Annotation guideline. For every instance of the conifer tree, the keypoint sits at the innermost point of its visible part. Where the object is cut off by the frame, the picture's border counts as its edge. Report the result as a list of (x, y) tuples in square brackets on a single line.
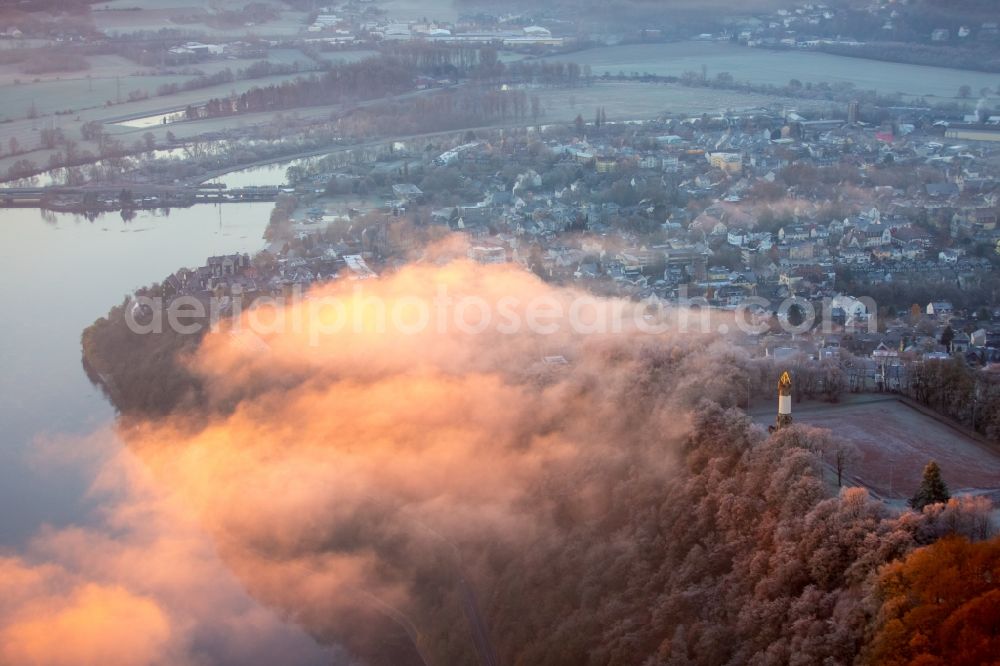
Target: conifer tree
[(947, 336), (932, 488)]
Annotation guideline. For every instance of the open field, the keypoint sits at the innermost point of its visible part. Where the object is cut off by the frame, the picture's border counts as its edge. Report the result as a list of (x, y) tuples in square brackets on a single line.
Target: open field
[(415, 10), (101, 66), (639, 101), (136, 76), (346, 56), (274, 56), (75, 94), (78, 94), (763, 66), (125, 16), (896, 441), (84, 95), (95, 86)]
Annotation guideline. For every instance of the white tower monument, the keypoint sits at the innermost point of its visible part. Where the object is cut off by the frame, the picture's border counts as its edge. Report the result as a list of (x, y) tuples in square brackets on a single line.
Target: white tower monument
[(784, 401)]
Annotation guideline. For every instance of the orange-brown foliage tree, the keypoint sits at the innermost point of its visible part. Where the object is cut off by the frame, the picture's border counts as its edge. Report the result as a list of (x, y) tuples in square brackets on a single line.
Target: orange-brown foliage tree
[(940, 605)]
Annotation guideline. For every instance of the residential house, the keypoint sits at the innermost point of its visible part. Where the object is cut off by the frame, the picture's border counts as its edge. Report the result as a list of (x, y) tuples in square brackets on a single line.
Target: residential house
[(939, 309)]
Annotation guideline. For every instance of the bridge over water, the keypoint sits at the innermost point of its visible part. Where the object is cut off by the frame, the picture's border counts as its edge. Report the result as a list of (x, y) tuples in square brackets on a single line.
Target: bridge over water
[(133, 197)]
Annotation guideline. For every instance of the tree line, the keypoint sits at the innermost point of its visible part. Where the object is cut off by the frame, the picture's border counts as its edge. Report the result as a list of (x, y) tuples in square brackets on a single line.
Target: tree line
[(368, 79), (956, 390)]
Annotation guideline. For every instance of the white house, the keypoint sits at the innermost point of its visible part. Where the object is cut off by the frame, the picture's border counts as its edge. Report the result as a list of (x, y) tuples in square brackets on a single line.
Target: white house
[(939, 309), (949, 256), (852, 307)]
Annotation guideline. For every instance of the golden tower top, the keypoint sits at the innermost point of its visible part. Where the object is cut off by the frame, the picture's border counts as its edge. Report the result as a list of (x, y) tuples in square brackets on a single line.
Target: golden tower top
[(785, 384)]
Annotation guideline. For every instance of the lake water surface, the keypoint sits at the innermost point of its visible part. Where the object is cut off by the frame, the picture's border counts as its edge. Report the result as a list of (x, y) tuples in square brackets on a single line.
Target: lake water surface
[(763, 66), (61, 272)]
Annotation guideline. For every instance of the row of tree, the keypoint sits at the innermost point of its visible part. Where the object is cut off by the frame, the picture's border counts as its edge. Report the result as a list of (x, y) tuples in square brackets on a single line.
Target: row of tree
[(962, 393), (364, 80)]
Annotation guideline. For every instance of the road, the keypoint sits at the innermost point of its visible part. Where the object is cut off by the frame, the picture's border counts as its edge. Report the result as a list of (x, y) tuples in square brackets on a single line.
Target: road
[(480, 637)]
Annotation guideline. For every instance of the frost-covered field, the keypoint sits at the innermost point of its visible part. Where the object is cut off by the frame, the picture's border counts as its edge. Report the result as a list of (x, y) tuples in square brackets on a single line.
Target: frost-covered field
[(896, 441), (415, 10), (126, 16), (638, 101), (80, 93)]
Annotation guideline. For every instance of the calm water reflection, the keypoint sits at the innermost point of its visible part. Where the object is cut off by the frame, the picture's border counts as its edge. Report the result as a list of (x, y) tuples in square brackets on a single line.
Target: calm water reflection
[(59, 274)]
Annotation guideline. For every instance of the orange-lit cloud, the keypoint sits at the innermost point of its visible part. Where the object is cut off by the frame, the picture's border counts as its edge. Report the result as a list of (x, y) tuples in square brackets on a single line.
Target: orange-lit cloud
[(349, 480), (140, 584), (92, 625)]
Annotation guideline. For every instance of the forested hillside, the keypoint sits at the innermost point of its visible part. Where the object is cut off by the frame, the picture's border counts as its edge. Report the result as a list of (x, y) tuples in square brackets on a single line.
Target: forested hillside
[(617, 510), (743, 558)]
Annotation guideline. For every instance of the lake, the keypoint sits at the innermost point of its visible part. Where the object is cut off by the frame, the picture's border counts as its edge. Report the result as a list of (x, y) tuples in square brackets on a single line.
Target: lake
[(763, 66), (61, 273)]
